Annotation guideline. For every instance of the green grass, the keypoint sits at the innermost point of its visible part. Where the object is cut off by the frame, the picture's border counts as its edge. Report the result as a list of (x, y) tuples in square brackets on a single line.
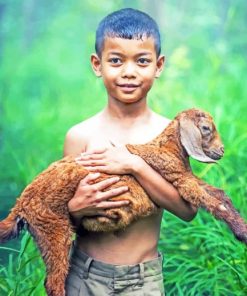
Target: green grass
[(24, 273), (49, 86)]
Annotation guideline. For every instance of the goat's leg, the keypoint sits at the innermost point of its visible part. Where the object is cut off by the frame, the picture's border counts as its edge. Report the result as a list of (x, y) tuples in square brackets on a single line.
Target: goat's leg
[(216, 203), (213, 191), (193, 189), (226, 211), (54, 241)]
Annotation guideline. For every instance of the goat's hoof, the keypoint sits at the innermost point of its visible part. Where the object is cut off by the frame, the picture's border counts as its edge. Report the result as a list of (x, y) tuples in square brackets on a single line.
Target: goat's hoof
[(242, 237)]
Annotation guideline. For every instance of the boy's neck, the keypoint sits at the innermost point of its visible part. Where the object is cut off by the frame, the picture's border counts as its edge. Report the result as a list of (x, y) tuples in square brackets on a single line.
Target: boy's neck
[(130, 112)]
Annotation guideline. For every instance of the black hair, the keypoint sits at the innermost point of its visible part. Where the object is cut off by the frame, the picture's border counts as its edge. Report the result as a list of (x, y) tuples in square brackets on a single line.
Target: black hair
[(127, 23)]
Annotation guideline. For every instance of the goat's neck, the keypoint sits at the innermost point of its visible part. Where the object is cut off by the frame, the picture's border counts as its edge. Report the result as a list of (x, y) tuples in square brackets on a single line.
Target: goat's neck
[(155, 151)]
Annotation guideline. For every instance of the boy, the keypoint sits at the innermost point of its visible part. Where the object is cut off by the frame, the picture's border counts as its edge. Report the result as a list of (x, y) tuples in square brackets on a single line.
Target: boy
[(127, 262)]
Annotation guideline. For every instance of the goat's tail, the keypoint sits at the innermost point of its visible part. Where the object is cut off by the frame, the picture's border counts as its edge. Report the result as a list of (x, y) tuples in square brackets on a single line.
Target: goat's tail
[(10, 227)]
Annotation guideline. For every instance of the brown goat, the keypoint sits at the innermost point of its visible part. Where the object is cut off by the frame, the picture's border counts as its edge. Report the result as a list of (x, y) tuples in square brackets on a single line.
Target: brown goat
[(43, 204)]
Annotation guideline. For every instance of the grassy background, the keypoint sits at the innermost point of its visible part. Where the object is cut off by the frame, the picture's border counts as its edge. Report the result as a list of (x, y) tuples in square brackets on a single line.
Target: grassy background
[(46, 86)]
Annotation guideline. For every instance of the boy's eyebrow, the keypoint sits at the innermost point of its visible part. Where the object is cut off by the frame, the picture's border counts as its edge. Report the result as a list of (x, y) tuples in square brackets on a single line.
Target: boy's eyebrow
[(137, 55), (144, 53), (115, 53)]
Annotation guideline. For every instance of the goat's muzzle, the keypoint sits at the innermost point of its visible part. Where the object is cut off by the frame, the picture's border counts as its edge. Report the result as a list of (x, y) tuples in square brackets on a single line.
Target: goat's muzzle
[(215, 153)]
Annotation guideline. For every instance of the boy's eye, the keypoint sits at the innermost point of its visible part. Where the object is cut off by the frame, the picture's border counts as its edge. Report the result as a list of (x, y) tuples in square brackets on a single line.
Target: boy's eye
[(115, 61), (143, 61)]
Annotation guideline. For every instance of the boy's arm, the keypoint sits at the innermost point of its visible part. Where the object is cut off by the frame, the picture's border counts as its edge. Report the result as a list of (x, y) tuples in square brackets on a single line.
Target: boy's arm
[(162, 192), (119, 160)]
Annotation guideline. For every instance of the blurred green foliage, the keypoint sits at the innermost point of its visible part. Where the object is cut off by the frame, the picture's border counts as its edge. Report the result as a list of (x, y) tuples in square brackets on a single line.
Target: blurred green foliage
[(46, 86)]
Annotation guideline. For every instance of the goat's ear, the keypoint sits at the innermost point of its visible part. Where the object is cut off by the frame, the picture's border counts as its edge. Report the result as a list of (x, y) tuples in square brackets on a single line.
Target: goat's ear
[(191, 140)]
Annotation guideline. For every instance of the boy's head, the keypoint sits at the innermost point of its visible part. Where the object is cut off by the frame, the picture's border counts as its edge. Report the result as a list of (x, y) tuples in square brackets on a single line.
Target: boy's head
[(127, 23)]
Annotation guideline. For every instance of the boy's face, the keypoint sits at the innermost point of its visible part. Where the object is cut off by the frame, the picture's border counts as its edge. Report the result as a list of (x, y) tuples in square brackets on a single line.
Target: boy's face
[(128, 68)]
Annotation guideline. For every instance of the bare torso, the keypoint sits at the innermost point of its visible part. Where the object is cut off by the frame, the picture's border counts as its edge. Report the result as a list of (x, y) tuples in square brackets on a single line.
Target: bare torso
[(138, 242)]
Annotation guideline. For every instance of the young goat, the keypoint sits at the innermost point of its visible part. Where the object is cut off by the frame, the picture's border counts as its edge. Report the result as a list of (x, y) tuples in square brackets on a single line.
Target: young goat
[(43, 204)]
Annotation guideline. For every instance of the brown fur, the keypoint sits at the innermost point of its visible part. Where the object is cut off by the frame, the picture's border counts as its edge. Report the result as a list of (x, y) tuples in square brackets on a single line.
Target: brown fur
[(43, 204)]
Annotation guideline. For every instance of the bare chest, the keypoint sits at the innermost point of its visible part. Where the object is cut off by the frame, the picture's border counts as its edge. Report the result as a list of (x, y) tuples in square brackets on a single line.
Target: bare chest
[(105, 138)]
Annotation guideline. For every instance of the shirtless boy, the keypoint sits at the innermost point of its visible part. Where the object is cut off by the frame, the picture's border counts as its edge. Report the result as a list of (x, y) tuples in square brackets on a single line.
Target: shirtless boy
[(125, 263)]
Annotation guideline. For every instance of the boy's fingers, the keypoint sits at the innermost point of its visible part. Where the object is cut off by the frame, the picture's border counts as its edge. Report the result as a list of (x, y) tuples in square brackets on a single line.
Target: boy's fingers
[(95, 156), (90, 177), (83, 157), (113, 204), (95, 151), (106, 183), (91, 162), (102, 169), (113, 192)]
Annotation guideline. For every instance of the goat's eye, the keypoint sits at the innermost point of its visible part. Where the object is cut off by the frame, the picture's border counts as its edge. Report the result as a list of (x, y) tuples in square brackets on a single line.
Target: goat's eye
[(205, 128)]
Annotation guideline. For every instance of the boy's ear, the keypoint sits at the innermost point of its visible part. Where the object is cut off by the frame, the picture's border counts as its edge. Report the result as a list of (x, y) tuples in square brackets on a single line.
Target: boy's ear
[(96, 64), (159, 65)]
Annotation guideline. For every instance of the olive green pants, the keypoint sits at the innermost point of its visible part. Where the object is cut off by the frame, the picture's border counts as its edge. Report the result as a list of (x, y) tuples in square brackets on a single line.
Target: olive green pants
[(89, 277)]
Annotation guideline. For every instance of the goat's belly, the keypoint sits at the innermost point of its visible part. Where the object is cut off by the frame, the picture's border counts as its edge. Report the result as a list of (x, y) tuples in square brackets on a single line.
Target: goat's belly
[(119, 218)]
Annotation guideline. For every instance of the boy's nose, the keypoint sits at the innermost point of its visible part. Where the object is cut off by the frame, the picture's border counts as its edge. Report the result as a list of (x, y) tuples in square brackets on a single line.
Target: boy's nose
[(129, 70)]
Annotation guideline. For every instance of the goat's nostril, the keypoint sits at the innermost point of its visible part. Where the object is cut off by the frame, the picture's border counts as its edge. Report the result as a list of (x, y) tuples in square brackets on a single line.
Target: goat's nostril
[(222, 149)]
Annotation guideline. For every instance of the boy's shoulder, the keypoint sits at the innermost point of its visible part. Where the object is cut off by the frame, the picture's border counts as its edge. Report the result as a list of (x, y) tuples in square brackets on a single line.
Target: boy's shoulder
[(77, 136), (84, 127)]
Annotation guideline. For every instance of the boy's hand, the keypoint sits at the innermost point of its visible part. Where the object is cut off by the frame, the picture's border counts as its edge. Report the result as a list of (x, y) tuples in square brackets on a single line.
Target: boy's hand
[(115, 160), (90, 199)]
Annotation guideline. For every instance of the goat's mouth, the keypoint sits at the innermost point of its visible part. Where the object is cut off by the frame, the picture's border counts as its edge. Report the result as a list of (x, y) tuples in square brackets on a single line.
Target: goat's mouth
[(213, 154)]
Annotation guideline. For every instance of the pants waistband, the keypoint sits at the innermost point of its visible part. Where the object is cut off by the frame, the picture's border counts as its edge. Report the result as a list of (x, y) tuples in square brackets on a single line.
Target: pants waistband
[(88, 264)]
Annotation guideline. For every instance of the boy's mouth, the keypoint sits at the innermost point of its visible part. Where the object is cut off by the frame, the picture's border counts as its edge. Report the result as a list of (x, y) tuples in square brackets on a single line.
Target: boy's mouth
[(128, 87)]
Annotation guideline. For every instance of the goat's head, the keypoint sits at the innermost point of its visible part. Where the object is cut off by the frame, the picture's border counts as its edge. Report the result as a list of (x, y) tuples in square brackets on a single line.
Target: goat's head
[(199, 136)]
